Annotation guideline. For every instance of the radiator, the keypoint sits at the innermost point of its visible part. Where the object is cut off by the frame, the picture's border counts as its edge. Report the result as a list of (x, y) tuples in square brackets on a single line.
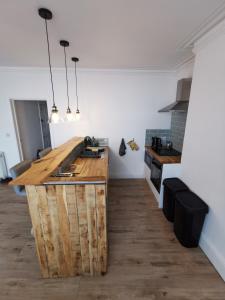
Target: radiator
[(3, 168)]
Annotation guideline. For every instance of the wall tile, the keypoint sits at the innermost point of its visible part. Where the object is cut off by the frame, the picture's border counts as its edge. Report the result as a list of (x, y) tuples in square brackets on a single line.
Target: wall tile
[(175, 134)]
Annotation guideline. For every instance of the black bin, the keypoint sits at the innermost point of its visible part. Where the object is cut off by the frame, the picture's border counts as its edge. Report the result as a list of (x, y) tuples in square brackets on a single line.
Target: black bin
[(171, 187), (189, 218)]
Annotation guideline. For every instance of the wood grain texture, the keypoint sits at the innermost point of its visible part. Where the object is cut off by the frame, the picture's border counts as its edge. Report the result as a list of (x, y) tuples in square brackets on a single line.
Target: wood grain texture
[(45, 166), (37, 227), (145, 261), (92, 228), (101, 227), (90, 170), (70, 241), (83, 228), (163, 159)]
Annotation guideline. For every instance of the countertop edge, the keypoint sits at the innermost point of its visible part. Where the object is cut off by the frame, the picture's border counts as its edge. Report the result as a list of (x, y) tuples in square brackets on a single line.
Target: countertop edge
[(163, 159)]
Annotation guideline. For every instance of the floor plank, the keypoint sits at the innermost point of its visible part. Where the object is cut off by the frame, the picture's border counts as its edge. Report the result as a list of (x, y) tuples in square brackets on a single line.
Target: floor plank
[(145, 259)]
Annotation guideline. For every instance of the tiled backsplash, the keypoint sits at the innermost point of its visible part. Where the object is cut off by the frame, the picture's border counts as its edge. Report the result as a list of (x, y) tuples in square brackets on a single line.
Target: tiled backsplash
[(163, 133), (175, 134), (178, 123)]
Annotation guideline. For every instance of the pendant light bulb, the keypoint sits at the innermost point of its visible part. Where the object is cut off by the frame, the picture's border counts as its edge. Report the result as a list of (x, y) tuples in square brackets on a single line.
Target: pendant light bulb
[(46, 14), (54, 118), (77, 116), (69, 115), (75, 60)]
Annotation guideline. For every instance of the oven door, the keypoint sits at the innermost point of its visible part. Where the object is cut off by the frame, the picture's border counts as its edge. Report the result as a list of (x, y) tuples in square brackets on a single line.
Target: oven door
[(156, 174), (148, 160)]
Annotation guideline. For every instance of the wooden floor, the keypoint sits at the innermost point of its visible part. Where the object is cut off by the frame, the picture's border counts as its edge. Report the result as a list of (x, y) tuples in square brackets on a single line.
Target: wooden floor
[(145, 260)]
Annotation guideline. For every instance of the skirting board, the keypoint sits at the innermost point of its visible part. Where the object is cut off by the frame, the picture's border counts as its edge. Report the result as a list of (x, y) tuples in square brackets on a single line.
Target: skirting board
[(213, 255)]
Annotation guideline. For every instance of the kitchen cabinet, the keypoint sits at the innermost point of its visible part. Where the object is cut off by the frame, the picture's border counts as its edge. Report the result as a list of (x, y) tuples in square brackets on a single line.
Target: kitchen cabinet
[(169, 167)]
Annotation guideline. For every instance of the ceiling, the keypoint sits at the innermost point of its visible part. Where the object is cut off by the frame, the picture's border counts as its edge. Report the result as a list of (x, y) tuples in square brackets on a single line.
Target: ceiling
[(118, 34)]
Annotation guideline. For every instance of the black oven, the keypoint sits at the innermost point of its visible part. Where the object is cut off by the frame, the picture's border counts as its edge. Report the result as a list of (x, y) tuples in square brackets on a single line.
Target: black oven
[(148, 159), (156, 174)]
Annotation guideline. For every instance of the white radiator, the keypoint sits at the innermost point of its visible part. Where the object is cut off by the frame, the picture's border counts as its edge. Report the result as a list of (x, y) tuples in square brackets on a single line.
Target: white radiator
[(3, 167)]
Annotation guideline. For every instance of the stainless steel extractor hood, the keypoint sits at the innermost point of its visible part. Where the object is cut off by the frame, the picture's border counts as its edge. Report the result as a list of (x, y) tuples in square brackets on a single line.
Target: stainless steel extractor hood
[(182, 98)]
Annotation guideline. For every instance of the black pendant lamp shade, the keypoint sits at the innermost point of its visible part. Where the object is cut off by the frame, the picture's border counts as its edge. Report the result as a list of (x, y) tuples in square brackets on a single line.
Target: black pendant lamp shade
[(75, 60), (47, 15), (69, 115)]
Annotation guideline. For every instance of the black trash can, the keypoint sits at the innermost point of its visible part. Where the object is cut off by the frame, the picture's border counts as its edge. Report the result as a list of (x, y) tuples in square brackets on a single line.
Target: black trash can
[(171, 187), (189, 218)]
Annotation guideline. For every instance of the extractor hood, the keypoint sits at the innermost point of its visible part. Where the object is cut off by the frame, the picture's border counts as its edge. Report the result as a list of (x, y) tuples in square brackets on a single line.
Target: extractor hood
[(182, 98)]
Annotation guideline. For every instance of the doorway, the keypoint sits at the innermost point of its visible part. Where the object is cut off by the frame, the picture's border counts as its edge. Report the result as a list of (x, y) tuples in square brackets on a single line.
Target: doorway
[(31, 126)]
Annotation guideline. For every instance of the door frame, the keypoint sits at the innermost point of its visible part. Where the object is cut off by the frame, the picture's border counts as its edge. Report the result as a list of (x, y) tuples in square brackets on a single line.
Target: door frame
[(16, 126)]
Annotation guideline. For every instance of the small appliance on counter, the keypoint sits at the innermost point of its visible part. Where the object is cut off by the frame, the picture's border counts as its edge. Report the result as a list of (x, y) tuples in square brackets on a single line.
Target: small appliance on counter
[(156, 142), (161, 150), (90, 152), (91, 148), (92, 142)]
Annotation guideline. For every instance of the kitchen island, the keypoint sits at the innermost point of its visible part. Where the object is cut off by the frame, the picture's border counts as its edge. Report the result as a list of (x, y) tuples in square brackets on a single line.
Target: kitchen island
[(68, 214)]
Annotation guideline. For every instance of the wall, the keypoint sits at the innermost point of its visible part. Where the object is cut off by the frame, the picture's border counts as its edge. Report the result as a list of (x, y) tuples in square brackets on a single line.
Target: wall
[(113, 104), (178, 120), (203, 160), (185, 70), (164, 134)]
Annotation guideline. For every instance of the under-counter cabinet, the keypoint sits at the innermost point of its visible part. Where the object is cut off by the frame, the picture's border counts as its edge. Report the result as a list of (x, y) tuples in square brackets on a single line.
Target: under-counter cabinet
[(159, 168)]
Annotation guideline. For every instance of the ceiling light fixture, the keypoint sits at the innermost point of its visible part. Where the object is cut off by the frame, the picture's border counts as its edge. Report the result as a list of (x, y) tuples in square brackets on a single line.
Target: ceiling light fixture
[(69, 115), (47, 15), (75, 60)]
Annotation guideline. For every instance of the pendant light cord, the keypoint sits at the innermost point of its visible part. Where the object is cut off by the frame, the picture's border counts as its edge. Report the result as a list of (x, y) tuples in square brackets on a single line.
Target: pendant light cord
[(76, 83), (49, 62), (67, 85)]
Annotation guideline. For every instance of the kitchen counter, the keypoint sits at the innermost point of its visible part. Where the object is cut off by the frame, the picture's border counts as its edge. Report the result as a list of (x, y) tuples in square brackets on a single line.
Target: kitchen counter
[(88, 170), (68, 214), (163, 159)]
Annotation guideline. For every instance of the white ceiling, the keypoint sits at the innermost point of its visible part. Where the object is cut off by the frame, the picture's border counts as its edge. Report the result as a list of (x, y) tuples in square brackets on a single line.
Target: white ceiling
[(120, 34)]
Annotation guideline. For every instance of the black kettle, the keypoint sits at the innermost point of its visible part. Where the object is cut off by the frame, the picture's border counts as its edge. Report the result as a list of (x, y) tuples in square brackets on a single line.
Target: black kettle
[(87, 141), (90, 142)]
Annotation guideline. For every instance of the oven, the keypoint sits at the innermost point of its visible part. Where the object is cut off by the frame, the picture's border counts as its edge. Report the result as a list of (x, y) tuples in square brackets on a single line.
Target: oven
[(156, 174), (148, 160)]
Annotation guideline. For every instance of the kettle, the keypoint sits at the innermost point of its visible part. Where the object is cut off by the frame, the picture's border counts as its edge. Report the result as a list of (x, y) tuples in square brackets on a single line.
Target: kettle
[(90, 142)]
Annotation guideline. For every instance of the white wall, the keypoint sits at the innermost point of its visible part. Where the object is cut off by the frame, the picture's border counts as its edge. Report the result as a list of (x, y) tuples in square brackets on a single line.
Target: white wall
[(185, 70), (113, 104), (203, 160)]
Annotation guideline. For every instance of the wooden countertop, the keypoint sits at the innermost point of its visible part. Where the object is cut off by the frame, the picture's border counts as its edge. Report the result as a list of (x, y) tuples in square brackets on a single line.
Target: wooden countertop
[(42, 168), (94, 170), (163, 159)]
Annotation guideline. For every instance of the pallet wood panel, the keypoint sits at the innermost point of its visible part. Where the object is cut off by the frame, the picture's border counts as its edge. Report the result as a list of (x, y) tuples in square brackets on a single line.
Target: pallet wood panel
[(92, 229), (35, 218), (70, 228), (101, 227)]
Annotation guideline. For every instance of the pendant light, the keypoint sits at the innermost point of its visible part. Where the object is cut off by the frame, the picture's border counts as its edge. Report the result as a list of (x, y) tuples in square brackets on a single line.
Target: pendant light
[(69, 115), (75, 60), (47, 15)]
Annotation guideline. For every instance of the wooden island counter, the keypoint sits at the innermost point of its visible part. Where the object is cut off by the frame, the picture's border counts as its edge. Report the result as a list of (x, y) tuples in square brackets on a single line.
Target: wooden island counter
[(68, 213)]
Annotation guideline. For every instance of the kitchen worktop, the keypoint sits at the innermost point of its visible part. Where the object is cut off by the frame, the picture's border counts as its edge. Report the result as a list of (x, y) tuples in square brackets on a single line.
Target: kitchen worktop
[(86, 169), (163, 159), (94, 170)]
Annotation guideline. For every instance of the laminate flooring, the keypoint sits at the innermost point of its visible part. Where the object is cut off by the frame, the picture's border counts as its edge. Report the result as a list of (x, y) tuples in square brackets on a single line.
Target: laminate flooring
[(146, 262)]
